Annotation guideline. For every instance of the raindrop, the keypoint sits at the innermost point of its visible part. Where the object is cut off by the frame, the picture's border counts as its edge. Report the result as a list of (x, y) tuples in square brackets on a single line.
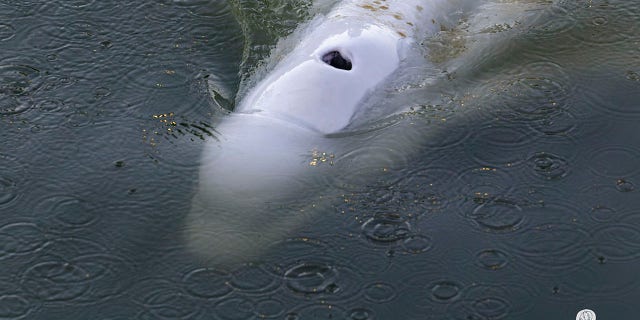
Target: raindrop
[(386, 229), (311, 278), (549, 166), (19, 79)]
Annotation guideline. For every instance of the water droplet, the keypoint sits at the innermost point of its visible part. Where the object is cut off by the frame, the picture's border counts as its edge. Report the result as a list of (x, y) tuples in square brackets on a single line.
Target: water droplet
[(549, 166), (310, 277), (386, 229)]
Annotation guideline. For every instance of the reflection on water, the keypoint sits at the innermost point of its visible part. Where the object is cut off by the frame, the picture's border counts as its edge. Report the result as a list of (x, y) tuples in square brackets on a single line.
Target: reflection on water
[(518, 201)]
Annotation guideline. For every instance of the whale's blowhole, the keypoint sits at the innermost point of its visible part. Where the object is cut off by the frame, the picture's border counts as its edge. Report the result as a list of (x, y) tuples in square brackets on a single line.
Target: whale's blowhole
[(337, 60)]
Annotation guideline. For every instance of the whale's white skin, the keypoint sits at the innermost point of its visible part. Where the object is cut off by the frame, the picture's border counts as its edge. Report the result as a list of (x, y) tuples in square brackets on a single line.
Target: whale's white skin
[(263, 155)]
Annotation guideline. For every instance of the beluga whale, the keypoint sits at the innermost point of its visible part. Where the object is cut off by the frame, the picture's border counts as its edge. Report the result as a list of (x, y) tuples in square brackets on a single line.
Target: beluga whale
[(274, 158)]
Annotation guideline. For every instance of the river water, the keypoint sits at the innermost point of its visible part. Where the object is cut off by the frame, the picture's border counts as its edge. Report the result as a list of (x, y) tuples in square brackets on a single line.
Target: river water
[(521, 203)]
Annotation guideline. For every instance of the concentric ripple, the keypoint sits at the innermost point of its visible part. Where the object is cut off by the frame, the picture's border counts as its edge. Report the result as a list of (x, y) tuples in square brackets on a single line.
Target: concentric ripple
[(549, 166), (20, 238), (485, 301), (386, 229), (498, 216), (492, 259), (311, 278), (66, 212), (606, 23), (19, 79), (380, 292), (614, 161), (77, 270), (14, 306), (207, 283), (254, 279), (552, 247)]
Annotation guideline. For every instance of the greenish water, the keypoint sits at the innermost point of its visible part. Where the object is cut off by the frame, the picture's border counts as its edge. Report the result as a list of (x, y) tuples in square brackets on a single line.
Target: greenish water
[(522, 205)]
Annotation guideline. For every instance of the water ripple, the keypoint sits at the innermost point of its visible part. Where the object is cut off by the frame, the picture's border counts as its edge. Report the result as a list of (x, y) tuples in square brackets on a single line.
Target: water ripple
[(11, 179), (492, 259), (485, 301), (498, 145), (618, 241), (605, 24), (162, 299), (498, 215), (20, 238), (380, 292), (235, 308), (552, 248), (207, 283), (549, 166), (18, 79), (270, 308), (66, 212), (386, 229), (55, 281), (311, 278), (317, 311), (14, 306), (445, 291), (7, 31), (72, 269), (254, 279), (614, 160)]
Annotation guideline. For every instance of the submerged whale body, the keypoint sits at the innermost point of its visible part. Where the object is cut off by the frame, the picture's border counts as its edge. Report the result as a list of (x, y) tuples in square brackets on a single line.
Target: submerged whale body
[(253, 177)]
